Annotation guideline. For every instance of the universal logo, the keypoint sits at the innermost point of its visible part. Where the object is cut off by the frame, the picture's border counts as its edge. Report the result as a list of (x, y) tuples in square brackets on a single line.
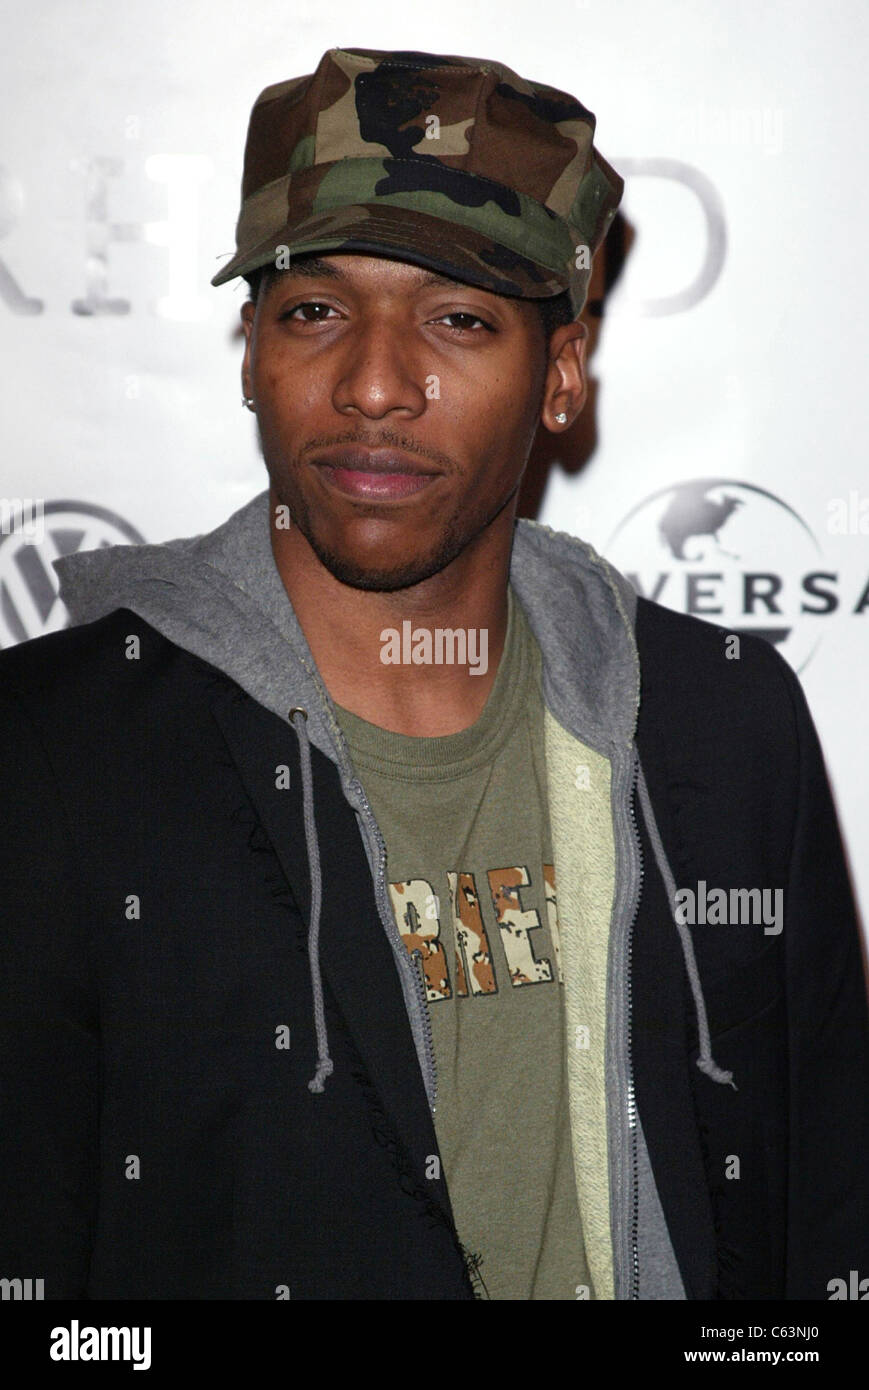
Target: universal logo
[(736, 555)]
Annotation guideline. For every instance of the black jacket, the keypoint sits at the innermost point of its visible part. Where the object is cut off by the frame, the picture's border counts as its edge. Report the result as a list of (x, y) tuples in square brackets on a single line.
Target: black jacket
[(156, 892)]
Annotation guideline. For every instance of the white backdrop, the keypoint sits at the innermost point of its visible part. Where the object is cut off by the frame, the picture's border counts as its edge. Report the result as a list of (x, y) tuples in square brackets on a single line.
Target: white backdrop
[(731, 358)]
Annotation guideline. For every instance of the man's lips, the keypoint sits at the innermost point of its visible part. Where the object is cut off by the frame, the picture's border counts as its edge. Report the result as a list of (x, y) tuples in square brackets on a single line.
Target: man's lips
[(374, 474), (359, 459)]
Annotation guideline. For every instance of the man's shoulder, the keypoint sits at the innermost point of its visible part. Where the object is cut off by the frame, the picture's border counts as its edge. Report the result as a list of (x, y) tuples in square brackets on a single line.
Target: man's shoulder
[(687, 650), (91, 661), (698, 675)]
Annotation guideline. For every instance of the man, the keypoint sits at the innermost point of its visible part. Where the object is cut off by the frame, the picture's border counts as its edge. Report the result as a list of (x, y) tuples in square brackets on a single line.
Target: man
[(352, 852)]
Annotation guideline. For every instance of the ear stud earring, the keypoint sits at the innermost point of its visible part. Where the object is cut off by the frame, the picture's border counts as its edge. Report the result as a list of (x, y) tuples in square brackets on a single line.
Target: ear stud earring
[(561, 417)]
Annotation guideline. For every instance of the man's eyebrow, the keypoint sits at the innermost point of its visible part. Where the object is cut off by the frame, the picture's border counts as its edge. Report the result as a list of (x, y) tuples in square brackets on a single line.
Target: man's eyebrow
[(313, 266), (309, 265)]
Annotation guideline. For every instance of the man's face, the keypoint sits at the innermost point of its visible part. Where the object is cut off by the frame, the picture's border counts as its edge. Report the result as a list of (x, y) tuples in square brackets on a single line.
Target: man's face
[(348, 354)]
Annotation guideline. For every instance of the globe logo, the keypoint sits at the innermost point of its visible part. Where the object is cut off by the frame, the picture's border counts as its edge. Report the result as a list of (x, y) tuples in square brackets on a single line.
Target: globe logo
[(733, 554)]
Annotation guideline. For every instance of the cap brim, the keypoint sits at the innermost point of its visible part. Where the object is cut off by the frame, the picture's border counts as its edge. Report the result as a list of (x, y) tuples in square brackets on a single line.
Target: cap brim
[(451, 249)]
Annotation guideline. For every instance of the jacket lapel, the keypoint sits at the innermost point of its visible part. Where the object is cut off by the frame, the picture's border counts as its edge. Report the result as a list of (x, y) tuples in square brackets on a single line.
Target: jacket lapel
[(355, 955)]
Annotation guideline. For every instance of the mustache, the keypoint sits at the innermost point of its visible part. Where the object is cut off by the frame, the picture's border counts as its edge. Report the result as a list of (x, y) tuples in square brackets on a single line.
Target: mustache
[(383, 439)]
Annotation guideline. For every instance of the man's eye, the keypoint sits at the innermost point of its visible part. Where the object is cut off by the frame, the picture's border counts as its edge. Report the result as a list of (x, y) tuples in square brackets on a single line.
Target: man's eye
[(315, 311), (468, 316), (307, 304)]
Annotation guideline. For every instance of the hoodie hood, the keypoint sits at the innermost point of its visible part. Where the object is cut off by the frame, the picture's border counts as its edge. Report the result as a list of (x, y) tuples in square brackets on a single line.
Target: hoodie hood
[(220, 596)]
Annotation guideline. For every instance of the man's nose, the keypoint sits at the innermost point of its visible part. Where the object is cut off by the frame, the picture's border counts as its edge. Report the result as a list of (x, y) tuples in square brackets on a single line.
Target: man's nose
[(379, 372)]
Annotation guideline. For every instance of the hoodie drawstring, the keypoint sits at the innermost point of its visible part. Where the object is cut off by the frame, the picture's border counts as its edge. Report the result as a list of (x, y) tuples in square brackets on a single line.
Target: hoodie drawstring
[(325, 1066), (705, 1061)]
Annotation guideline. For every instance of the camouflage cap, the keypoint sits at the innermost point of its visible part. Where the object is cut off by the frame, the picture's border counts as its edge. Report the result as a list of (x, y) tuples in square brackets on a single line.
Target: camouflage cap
[(455, 164)]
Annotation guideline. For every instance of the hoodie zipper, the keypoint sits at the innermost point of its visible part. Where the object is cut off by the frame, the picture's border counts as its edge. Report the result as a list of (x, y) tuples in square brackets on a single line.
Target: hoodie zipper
[(401, 953), (631, 1096), (429, 1036), (384, 906)]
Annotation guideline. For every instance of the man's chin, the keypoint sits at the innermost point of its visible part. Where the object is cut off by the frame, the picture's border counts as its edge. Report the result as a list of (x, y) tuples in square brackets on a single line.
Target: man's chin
[(377, 578), (370, 566)]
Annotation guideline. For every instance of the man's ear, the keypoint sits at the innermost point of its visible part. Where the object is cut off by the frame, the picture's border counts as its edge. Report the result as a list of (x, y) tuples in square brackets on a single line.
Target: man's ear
[(248, 314), (566, 386)]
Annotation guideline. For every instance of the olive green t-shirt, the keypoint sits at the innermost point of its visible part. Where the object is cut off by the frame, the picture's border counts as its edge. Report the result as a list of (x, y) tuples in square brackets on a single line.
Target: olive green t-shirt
[(469, 867)]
